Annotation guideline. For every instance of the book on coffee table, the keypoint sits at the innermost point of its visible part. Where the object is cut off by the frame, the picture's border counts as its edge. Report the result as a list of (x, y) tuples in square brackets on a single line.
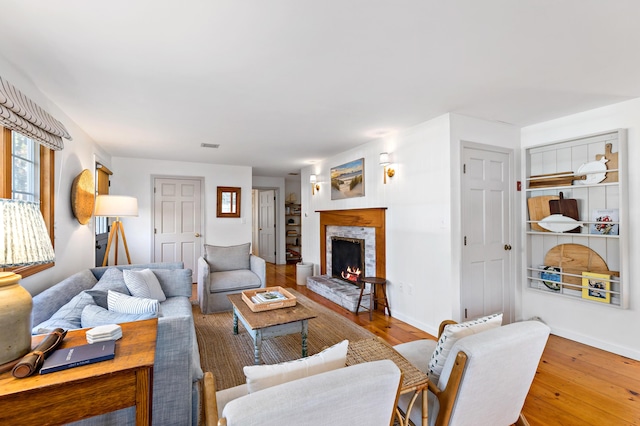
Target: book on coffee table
[(65, 358)]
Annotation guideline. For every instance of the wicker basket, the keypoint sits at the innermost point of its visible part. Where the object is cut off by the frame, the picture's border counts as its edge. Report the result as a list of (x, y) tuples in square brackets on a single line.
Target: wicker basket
[(267, 306)]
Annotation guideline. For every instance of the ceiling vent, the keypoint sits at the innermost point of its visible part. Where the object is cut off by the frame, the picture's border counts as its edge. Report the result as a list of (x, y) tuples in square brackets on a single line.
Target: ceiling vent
[(210, 145)]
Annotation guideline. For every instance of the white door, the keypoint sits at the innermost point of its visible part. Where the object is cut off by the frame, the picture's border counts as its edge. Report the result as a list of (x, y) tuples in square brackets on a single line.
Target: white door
[(486, 228), (267, 229), (177, 221)]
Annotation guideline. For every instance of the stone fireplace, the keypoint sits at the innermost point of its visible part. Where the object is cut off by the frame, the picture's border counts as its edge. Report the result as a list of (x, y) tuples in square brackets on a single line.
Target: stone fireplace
[(360, 230)]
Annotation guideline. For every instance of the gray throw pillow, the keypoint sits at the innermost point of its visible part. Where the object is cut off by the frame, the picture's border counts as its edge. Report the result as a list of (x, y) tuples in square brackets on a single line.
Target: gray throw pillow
[(99, 297), (229, 258), (112, 279)]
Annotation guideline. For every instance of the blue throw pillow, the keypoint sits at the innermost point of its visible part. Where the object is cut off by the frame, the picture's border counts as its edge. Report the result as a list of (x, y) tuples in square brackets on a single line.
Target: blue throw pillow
[(93, 316), (67, 317)]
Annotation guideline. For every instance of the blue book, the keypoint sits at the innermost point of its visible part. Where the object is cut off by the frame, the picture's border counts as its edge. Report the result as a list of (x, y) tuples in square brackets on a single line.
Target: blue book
[(63, 359)]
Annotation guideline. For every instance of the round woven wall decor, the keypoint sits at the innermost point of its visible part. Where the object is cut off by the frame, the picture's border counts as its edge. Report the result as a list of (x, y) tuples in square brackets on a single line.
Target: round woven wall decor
[(83, 196)]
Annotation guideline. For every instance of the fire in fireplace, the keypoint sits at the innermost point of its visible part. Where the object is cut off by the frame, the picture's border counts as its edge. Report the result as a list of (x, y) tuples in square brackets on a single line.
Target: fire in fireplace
[(347, 258)]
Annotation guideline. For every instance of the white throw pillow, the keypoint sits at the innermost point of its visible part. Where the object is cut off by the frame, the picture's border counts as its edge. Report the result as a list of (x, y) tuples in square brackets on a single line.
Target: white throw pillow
[(451, 334), (144, 284), (263, 376), (125, 304)]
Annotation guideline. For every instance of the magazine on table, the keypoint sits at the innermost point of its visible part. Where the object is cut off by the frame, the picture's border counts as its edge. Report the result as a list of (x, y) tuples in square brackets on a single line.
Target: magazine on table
[(268, 296)]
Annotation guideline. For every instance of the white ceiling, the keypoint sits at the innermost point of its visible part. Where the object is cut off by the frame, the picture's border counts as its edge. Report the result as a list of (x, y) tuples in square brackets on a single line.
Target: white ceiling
[(281, 83)]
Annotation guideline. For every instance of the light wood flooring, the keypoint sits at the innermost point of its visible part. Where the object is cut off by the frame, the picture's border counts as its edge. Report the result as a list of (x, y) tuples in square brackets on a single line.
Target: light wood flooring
[(575, 384)]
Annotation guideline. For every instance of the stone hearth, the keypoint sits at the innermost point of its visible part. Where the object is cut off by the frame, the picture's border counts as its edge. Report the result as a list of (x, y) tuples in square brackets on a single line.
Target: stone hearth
[(339, 292)]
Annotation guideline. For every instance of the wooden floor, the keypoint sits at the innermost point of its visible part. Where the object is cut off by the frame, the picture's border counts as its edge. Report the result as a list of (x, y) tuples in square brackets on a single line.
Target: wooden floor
[(575, 384)]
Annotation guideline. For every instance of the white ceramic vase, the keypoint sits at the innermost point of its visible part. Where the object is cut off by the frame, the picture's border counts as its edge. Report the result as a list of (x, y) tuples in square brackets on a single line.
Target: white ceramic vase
[(15, 318)]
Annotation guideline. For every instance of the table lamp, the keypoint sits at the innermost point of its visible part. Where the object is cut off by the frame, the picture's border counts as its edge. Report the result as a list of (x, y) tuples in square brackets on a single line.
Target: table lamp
[(116, 206), (24, 241)]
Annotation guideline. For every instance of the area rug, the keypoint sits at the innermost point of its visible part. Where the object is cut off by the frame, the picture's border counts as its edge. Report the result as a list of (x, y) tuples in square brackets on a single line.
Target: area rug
[(224, 354)]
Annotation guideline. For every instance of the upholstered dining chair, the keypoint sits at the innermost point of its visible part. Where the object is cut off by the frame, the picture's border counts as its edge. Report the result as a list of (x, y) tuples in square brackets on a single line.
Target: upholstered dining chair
[(485, 377), (360, 395)]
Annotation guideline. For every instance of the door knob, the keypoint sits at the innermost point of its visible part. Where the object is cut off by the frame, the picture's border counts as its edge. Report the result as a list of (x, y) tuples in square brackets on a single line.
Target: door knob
[(197, 235), (507, 247)]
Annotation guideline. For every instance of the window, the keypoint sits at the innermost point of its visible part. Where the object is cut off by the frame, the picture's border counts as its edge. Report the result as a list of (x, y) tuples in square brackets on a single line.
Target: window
[(27, 174), (25, 168)]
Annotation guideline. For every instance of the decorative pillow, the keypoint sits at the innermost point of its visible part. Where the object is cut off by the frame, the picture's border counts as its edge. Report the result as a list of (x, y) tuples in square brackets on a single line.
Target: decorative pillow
[(143, 284), (112, 279), (93, 316), (67, 317), (99, 297), (227, 258), (125, 304), (451, 334), (263, 376), (175, 282)]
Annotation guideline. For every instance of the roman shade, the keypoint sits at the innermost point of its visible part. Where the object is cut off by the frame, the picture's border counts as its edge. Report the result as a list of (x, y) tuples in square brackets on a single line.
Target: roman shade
[(21, 114)]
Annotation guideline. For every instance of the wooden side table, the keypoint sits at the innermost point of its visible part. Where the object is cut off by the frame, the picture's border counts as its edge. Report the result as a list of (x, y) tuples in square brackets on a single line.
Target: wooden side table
[(377, 294), (86, 391)]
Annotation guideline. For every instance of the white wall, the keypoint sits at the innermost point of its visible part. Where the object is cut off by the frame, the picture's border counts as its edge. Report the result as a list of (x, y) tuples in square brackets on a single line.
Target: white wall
[(133, 176), (604, 327), (74, 243), (422, 202)]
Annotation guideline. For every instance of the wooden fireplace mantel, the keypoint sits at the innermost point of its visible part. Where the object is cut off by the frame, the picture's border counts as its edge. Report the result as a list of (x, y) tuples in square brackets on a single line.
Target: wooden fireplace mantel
[(368, 217)]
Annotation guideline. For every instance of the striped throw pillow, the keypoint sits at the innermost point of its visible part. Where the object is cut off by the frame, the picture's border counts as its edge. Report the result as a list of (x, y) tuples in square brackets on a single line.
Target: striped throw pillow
[(144, 284), (126, 304)]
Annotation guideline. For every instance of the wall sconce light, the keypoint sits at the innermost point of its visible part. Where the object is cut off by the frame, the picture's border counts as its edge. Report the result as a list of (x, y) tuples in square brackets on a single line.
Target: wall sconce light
[(314, 186), (384, 162)]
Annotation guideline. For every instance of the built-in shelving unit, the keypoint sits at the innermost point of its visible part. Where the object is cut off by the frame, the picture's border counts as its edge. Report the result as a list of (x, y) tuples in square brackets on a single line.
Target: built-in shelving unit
[(587, 259), (293, 232)]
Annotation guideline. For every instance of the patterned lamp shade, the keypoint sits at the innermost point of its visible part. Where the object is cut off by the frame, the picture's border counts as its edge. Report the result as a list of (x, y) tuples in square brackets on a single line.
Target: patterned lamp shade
[(24, 239)]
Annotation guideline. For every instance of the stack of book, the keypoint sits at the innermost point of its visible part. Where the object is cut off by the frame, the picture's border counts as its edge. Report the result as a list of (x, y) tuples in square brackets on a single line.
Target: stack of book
[(268, 296)]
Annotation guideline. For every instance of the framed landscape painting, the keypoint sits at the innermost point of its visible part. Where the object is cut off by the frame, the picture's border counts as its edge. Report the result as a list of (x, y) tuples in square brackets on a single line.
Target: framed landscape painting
[(347, 180)]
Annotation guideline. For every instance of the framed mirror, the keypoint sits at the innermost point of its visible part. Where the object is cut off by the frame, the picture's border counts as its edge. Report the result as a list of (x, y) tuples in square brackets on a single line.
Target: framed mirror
[(228, 201)]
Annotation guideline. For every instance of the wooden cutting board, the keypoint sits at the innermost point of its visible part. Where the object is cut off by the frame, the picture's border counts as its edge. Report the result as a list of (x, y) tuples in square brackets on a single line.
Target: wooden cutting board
[(539, 209), (611, 164), (566, 207), (576, 259)]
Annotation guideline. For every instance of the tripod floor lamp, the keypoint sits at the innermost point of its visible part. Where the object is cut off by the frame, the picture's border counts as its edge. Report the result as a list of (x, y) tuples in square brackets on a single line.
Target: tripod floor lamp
[(116, 206)]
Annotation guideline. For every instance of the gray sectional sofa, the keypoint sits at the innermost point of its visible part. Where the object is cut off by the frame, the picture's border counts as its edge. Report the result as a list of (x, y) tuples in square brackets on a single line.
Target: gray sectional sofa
[(177, 370)]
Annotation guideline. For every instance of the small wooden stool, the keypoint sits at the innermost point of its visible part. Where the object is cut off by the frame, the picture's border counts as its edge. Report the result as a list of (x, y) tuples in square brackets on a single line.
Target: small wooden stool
[(374, 297)]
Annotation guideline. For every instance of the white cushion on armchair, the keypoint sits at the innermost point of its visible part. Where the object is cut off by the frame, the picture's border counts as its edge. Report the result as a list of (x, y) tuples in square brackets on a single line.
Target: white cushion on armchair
[(360, 395)]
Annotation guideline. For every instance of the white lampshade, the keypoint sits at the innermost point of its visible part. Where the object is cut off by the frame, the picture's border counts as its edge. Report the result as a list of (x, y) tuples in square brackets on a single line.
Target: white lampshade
[(116, 206), (384, 158), (24, 239), (313, 179)]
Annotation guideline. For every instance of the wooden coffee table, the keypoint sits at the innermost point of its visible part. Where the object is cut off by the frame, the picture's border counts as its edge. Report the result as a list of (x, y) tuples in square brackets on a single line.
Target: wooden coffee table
[(272, 323), (89, 390)]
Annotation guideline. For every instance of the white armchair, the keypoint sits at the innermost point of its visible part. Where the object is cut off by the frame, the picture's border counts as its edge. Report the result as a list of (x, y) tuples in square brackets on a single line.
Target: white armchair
[(227, 270), (485, 378), (360, 395)]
